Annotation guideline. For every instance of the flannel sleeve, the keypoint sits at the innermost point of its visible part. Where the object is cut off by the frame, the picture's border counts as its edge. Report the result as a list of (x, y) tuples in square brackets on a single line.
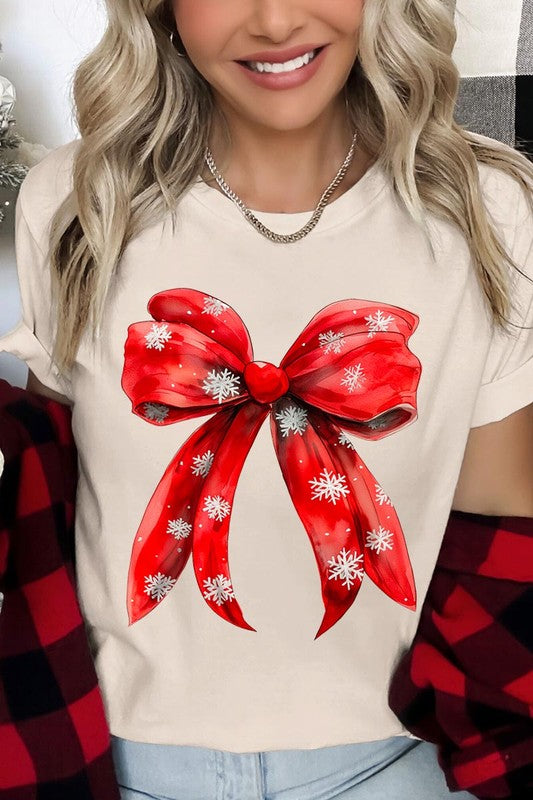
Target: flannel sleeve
[(466, 681)]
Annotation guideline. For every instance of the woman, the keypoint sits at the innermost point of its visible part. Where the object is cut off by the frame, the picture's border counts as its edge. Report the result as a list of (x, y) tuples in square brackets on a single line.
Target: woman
[(343, 259)]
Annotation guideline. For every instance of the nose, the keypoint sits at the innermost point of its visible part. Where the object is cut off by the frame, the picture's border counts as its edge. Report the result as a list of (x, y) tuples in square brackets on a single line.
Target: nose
[(275, 20)]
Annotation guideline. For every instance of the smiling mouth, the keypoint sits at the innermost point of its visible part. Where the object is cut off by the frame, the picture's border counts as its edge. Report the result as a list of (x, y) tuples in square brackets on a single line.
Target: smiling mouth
[(247, 64)]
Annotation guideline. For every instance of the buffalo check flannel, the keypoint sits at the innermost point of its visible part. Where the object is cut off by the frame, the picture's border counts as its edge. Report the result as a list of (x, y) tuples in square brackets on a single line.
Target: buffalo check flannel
[(494, 54), (54, 737), (466, 682)]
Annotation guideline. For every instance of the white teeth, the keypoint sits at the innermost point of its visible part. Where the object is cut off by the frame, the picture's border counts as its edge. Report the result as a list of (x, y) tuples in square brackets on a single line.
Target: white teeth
[(287, 66)]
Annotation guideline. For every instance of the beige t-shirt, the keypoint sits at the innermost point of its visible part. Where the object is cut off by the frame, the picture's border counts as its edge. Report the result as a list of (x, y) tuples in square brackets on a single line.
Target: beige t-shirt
[(186, 672)]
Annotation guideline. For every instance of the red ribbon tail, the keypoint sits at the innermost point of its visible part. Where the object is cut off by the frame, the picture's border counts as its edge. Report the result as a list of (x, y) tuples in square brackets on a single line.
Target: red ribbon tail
[(320, 490), (164, 539), (387, 561), (213, 513)]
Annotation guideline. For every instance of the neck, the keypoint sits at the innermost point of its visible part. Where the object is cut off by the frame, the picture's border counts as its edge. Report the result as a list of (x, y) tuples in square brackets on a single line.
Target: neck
[(285, 171)]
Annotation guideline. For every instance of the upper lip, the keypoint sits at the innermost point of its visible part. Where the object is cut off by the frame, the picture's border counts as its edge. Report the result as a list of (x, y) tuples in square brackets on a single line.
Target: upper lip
[(280, 56)]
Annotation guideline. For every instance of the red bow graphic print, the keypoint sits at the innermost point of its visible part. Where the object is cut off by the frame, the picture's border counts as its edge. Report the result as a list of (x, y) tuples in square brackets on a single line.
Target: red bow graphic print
[(349, 370)]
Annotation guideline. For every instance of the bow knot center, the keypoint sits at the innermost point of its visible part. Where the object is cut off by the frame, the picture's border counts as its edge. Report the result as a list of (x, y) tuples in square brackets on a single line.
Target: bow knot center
[(265, 382)]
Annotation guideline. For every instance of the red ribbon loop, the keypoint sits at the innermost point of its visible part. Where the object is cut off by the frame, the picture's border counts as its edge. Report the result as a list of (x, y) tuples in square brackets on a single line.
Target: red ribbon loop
[(349, 370)]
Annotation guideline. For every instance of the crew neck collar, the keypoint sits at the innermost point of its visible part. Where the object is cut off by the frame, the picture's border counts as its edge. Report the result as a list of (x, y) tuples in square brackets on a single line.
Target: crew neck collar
[(348, 205)]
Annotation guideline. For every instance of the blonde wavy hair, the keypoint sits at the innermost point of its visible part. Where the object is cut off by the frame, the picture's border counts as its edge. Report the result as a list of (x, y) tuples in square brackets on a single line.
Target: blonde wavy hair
[(145, 116)]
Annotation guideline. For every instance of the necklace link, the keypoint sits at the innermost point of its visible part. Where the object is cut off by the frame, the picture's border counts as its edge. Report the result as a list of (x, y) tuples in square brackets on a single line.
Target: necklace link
[(250, 216)]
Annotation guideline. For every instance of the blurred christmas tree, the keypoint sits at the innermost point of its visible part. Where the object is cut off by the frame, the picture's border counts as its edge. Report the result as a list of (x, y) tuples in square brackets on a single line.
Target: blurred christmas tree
[(17, 155), (12, 173)]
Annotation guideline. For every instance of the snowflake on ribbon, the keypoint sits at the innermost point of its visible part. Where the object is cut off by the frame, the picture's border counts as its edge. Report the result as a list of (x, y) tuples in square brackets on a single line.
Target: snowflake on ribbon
[(203, 463), (157, 586), (157, 336), (216, 507), (354, 377), (292, 418), (221, 384), (329, 486), (331, 341), (179, 528), (379, 540), (214, 306), (379, 422), (343, 439), (219, 589), (348, 566), (378, 322), (157, 412), (381, 496)]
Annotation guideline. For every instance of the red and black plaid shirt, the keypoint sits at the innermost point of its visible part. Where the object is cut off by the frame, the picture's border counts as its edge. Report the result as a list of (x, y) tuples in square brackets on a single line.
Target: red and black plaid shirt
[(466, 682), (54, 737)]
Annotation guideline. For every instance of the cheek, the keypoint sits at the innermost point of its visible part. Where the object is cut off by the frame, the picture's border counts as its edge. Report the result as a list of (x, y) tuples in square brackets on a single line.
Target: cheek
[(344, 15), (202, 25)]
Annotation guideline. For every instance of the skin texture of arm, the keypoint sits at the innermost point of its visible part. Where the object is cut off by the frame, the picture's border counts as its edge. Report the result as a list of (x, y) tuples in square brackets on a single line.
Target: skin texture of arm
[(34, 385), (496, 476)]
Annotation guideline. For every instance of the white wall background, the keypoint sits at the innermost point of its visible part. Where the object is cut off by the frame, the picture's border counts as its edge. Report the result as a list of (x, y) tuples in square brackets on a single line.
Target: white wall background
[(43, 41)]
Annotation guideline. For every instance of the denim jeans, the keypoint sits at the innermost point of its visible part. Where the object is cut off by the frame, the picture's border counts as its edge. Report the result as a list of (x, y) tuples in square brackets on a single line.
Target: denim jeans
[(398, 768)]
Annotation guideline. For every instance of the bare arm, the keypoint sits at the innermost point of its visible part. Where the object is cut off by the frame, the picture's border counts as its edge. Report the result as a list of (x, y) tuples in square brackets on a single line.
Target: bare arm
[(496, 476)]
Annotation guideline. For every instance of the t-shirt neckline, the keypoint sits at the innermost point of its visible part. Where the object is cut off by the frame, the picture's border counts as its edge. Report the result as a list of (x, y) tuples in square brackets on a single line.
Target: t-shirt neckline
[(349, 204)]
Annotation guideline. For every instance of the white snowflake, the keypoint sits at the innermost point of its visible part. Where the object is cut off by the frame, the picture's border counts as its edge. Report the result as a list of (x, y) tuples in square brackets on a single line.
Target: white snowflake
[(157, 586), (379, 540), (331, 341), (203, 463), (379, 422), (216, 507), (214, 306), (221, 384), (347, 566), (381, 496), (354, 377), (179, 528), (219, 589), (292, 418), (156, 411), (329, 486), (378, 322), (343, 439), (157, 336)]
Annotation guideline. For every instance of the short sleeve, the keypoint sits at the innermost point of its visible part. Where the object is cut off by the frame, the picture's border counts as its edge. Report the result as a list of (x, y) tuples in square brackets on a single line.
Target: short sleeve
[(507, 382), (31, 339)]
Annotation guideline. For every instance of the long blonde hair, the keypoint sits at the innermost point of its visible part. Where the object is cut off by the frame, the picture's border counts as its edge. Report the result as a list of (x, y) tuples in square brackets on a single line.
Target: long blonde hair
[(145, 115)]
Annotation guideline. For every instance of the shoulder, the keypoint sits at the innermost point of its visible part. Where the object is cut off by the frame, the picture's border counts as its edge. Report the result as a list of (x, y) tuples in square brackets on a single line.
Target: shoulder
[(510, 206), (504, 196), (46, 185)]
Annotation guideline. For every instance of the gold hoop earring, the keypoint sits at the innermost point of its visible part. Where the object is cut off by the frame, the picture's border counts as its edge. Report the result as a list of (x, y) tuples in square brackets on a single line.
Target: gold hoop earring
[(182, 55)]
